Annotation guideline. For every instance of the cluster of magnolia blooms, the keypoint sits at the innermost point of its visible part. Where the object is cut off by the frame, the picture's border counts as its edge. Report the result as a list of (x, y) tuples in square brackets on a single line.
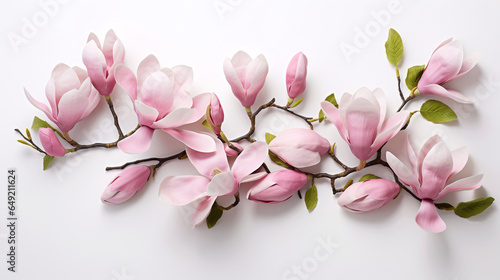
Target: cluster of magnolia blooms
[(162, 102)]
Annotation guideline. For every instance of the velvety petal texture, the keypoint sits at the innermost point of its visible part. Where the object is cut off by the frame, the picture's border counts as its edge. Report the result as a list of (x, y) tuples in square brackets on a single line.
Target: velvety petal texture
[(296, 75), (71, 97), (126, 184), (299, 147), (429, 176), (51, 143), (277, 186), (162, 101), (368, 195), (246, 76), (360, 120), (446, 64)]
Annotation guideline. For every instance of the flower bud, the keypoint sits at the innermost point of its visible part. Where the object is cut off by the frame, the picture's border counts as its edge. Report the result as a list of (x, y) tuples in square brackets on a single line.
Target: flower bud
[(126, 184), (51, 143), (277, 186), (368, 195), (215, 114), (296, 75), (230, 152)]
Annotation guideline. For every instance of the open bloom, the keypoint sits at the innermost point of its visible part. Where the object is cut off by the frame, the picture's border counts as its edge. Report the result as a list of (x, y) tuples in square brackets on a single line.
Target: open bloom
[(429, 177), (277, 186), (368, 195), (102, 61), (296, 75), (198, 193), (360, 120), (299, 147), (246, 76), (126, 184), (161, 101), (215, 114), (70, 94), (446, 64), (51, 143)]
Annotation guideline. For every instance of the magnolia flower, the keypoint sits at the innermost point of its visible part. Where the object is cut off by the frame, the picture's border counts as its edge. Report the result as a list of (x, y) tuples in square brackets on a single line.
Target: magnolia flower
[(296, 75), (102, 61), (126, 184), (50, 143), (368, 195), (299, 147), (246, 76), (198, 193), (70, 94), (360, 120), (446, 64), (277, 186), (215, 114), (161, 101), (429, 177)]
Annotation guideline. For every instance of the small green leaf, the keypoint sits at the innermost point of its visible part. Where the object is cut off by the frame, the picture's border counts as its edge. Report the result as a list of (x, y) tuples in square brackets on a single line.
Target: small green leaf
[(437, 112), (46, 161), (296, 103), (311, 198), (321, 116), (444, 206), (474, 207), (214, 216), (330, 98), (28, 134), (277, 160), (413, 76), (269, 138), (207, 125), (39, 123), (394, 47), (25, 143), (368, 177)]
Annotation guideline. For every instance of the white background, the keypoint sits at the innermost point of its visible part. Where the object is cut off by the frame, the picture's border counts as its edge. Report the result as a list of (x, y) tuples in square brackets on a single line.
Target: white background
[(65, 232)]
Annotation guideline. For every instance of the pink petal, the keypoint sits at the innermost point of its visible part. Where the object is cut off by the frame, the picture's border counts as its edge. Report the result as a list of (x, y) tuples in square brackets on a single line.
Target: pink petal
[(428, 145), (146, 115), (118, 53), (202, 209), (108, 46), (362, 121), (51, 143), (82, 74), (126, 79), (249, 160), (183, 78), (412, 156), (299, 158), (253, 177), (436, 169), (194, 140), (138, 142), (382, 103), (469, 183), (176, 118), (93, 37), (69, 80), (379, 189), (147, 66), (71, 108), (402, 171), (447, 93), (390, 128), (50, 93), (460, 158), (428, 218), (222, 184), (39, 105), (200, 103), (59, 70), (467, 65), (92, 95), (181, 190), (234, 81), (95, 62), (258, 74), (333, 115), (206, 162), (157, 92), (444, 64)]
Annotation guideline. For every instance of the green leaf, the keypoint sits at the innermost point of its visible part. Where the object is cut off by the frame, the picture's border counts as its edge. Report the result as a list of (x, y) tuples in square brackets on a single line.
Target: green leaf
[(207, 125), (269, 138), (330, 98), (444, 206), (413, 76), (46, 161), (214, 216), (437, 112), (368, 177), (28, 134), (474, 207), (277, 160), (296, 103), (311, 198), (394, 47), (39, 123)]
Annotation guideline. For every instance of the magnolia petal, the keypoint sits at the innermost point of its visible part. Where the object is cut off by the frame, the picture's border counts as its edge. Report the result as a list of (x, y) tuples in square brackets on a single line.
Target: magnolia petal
[(80, 73), (94, 60), (428, 217), (200, 104), (444, 64), (249, 160), (206, 162), (334, 115), (118, 53), (181, 190), (146, 115), (362, 121), (194, 140), (443, 92), (390, 128), (222, 184), (176, 118), (460, 158), (147, 66), (436, 169), (402, 171), (69, 80), (412, 156), (253, 177), (296, 157), (183, 78), (39, 105), (71, 108), (59, 70), (138, 142), (108, 47), (469, 183), (92, 95), (157, 92), (126, 79), (234, 81), (203, 208), (467, 65), (428, 145), (93, 37), (258, 77)]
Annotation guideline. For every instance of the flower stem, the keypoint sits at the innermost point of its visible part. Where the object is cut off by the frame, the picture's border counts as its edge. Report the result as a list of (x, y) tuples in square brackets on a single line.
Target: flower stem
[(115, 117)]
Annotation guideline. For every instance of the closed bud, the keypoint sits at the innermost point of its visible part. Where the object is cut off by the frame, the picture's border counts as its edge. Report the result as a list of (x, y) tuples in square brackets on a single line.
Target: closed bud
[(277, 186), (215, 114), (126, 184), (368, 195), (296, 75), (51, 143)]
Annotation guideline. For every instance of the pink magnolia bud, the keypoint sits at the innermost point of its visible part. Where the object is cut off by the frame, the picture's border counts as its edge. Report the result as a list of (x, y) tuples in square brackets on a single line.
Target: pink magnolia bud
[(230, 151), (126, 184), (51, 143), (277, 186), (215, 114), (299, 147), (368, 195), (296, 75)]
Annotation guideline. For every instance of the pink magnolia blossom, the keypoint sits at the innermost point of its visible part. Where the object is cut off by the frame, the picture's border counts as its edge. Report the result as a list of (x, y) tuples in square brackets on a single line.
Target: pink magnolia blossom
[(102, 61), (246, 76), (296, 75), (429, 176), (70, 94), (51, 143), (126, 184), (198, 193), (360, 120), (446, 64), (368, 195), (230, 152), (277, 186), (299, 147), (215, 114), (162, 101)]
